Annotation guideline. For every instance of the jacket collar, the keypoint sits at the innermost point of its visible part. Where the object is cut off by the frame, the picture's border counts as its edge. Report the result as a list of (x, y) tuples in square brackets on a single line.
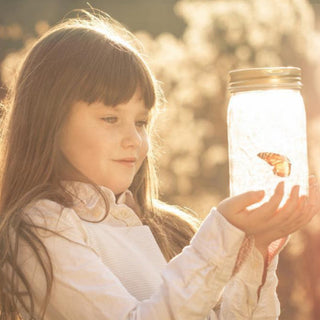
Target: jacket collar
[(89, 204)]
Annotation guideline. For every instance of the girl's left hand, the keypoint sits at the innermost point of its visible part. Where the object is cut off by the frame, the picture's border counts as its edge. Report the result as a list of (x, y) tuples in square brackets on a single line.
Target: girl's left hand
[(298, 216)]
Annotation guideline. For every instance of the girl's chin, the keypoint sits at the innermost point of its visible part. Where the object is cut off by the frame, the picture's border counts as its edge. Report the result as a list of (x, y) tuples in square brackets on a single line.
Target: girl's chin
[(118, 190)]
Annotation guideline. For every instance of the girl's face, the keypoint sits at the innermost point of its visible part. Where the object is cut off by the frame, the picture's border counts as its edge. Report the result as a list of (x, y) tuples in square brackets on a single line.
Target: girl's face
[(107, 144)]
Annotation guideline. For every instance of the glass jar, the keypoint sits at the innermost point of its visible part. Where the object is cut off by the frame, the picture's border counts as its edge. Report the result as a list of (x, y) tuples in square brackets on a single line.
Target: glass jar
[(267, 130)]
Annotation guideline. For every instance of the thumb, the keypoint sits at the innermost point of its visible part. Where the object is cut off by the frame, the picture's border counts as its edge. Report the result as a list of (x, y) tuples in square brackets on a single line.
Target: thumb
[(240, 202)]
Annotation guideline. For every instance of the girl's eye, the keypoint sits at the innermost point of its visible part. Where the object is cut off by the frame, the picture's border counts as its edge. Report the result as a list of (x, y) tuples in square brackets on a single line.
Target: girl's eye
[(110, 119), (142, 123)]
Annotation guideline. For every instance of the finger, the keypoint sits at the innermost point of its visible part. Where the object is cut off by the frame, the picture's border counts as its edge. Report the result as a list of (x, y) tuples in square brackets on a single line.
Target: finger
[(272, 205), (313, 191), (305, 212), (292, 202), (310, 210), (303, 203), (295, 219), (240, 202), (313, 201), (313, 212), (312, 180)]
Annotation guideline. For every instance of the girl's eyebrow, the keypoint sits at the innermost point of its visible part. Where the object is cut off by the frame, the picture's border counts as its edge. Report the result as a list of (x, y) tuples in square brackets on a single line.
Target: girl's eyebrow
[(143, 112)]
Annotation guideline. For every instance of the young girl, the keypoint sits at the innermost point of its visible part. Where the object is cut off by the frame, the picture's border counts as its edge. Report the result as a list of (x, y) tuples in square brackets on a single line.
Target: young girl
[(81, 234)]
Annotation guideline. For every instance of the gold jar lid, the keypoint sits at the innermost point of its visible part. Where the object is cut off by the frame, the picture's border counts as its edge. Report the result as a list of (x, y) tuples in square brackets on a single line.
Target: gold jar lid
[(265, 78)]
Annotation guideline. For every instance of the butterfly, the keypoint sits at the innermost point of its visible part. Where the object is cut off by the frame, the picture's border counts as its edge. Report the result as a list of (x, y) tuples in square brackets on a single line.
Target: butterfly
[(281, 164)]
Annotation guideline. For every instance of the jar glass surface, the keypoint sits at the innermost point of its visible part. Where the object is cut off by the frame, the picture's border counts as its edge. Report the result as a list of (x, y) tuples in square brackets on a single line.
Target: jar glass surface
[(267, 141)]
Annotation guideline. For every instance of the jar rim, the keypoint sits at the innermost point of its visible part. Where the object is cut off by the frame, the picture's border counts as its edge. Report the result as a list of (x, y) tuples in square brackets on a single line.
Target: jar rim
[(265, 78)]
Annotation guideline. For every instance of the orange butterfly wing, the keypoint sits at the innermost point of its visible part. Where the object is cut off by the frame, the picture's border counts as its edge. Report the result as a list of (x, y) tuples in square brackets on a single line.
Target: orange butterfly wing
[(281, 164)]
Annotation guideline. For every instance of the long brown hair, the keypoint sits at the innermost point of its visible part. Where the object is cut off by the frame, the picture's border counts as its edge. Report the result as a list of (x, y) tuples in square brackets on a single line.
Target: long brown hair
[(88, 58)]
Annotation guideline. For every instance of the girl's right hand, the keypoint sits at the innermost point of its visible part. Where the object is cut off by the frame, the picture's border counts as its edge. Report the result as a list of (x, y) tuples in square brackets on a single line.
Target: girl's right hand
[(268, 219)]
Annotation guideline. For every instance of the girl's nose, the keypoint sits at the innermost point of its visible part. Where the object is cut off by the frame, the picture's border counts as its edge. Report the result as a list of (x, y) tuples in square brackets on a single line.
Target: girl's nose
[(131, 137)]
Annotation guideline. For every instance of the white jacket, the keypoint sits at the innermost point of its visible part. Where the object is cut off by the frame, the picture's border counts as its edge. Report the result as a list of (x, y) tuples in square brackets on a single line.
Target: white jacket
[(115, 270)]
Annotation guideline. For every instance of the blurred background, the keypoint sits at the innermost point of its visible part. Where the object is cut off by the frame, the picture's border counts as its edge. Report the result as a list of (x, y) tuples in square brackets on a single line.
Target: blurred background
[(191, 47)]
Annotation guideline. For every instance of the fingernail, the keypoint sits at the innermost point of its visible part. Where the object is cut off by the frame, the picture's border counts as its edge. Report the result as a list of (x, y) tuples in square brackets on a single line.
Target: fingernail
[(280, 186), (296, 189)]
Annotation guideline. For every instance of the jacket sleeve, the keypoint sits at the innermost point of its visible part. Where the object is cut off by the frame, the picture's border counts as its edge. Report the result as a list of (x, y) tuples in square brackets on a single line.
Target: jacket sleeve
[(245, 297), (84, 288)]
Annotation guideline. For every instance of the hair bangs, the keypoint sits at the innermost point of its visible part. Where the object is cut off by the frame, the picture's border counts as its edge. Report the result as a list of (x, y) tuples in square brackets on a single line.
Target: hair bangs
[(113, 77)]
